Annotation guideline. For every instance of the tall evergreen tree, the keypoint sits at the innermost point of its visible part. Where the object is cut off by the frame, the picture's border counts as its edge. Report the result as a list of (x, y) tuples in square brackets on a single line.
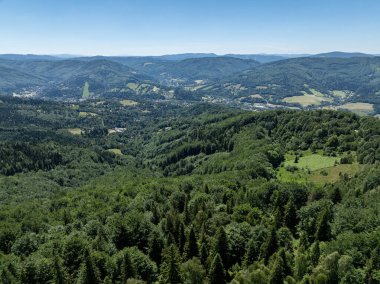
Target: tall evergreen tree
[(221, 247), (217, 274), (191, 247), (323, 227), (290, 216), (270, 246), (127, 268), (181, 237), (204, 254), (170, 268), (277, 274), (88, 273), (156, 245)]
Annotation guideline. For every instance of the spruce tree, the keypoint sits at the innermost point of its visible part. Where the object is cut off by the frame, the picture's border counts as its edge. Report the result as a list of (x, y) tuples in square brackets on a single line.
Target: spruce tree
[(315, 253), (323, 227), (204, 254), (290, 216), (88, 273), (181, 237), (170, 268), (221, 247), (277, 274), (191, 247), (217, 274), (270, 246), (127, 268), (251, 254), (156, 245)]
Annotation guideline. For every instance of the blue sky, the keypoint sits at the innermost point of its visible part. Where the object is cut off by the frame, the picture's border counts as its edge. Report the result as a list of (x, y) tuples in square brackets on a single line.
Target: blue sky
[(152, 27)]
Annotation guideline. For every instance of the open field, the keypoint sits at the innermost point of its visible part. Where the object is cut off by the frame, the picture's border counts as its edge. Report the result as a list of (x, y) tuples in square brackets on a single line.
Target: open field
[(361, 108), (307, 100), (339, 94), (129, 103), (115, 151), (132, 86), (74, 131), (85, 114), (86, 92), (333, 174), (313, 162)]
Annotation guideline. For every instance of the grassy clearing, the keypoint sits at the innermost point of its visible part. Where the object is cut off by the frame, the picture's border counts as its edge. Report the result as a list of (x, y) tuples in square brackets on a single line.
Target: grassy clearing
[(129, 103), (115, 151), (313, 162), (85, 114), (132, 86), (75, 131), (339, 94), (316, 93), (359, 108), (332, 174), (86, 92), (307, 100)]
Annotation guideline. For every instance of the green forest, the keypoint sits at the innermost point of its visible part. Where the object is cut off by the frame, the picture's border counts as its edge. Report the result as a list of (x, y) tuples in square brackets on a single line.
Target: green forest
[(96, 191)]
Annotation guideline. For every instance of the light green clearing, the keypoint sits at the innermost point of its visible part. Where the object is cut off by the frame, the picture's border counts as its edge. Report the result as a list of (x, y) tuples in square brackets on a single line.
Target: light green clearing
[(115, 151), (307, 100), (332, 174), (132, 86), (85, 113), (339, 94), (74, 131), (313, 162), (86, 92), (129, 103), (364, 108), (316, 93)]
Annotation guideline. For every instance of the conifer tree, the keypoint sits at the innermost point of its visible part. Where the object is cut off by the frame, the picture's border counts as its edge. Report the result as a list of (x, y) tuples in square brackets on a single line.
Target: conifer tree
[(277, 274), (217, 274), (290, 216), (170, 268), (88, 273), (323, 227), (191, 247), (270, 246), (181, 237), (315, 253), (221, 247), (127, 268), (204, 254), (156, 245)]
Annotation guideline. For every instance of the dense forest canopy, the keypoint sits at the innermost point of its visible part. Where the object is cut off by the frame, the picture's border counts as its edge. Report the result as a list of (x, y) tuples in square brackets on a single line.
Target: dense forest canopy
[(123, 191)]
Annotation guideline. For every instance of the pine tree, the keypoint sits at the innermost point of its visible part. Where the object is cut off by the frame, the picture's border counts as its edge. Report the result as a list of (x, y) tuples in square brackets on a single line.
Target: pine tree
[(251, 254), (290, 216), (191, 247), (323, 227), (59, 272), (88, 273), (270, 246), (221, 247), (336, 197), (217, 274), (203, 254), (156, 245), (127, 268), (181, 237), (277, 274), (315, 253), (170, 268)]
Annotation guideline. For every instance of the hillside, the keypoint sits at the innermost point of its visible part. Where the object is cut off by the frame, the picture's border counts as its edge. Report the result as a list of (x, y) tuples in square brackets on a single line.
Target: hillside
[(198, 190)]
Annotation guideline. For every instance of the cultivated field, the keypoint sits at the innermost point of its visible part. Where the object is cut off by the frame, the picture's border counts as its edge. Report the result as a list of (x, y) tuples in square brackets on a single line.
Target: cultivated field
[(129, 103)]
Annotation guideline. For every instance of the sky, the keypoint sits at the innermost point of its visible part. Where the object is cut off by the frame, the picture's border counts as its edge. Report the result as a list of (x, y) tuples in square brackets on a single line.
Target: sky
[(155, 27)]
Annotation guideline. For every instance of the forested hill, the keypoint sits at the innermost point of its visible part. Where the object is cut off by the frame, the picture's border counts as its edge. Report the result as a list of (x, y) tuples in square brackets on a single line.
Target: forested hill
[(109, 191)]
